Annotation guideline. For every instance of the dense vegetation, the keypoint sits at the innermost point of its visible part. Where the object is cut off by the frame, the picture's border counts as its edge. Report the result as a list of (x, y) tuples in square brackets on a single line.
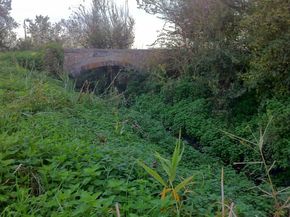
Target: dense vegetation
[(67, 153), (183, 104), (232, 73), (81, 147)]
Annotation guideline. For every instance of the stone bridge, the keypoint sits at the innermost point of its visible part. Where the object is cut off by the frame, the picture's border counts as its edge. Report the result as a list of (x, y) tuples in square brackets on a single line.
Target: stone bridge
[(78, 61)]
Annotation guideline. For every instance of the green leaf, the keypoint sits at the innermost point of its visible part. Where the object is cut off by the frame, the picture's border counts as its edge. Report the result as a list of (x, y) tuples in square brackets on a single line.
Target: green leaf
[(176, 157), (183, 183), (153, 173), (8, 162), (165, 163)]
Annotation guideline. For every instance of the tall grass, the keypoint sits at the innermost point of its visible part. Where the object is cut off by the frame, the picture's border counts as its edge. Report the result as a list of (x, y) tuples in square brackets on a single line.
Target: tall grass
[(170, 168), (281, 197)]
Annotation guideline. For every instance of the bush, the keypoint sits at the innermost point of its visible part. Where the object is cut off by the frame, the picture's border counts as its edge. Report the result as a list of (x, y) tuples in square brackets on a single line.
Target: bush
[(50, 58), (278, 140), (53, 58), (202, 127), (31, 60), (24, 44)]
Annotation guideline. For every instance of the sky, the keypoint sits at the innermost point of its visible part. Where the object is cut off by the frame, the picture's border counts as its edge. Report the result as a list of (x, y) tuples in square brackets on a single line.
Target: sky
[(146, 27)]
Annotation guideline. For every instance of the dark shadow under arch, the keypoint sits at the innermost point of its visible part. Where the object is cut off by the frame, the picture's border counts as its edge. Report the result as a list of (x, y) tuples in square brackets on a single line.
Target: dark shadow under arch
[(102, 78)]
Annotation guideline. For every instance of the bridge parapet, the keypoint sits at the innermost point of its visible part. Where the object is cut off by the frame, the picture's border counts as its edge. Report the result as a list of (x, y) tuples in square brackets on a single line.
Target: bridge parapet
[(79, 60)]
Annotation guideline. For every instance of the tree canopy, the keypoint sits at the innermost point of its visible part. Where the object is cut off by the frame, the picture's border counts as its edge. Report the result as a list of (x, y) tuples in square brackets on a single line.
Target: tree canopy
[(7, 24), (41, 31), (104, 25)]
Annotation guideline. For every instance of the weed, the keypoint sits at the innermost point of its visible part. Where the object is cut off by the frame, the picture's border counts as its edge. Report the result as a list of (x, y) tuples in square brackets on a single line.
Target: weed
[(170, 168), (67, 153), (281, 203)]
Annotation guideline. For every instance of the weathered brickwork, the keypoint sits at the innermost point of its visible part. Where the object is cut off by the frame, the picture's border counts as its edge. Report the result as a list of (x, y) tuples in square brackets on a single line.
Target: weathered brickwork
[(80, 60)]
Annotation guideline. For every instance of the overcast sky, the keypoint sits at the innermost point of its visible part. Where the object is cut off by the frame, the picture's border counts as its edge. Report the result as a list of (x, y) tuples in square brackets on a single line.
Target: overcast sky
[(146, 27)]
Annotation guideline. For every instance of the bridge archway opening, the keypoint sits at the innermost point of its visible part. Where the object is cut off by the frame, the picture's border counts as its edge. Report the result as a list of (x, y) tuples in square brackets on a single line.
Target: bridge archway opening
[(102, 79)]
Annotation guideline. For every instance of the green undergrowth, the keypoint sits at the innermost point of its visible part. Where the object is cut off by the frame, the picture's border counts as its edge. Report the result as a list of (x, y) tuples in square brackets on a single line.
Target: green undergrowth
[(183, 104), (49, 57), (65, 153)]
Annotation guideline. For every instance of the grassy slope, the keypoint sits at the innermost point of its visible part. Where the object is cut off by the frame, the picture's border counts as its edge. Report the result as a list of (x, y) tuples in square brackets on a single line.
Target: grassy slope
[(68, 154)]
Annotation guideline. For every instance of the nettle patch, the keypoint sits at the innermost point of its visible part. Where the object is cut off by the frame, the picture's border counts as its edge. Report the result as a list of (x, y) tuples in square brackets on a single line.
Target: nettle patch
[(67, 153)]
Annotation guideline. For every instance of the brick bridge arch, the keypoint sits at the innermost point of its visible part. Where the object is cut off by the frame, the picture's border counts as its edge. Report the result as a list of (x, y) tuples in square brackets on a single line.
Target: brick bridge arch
[(78, 61)]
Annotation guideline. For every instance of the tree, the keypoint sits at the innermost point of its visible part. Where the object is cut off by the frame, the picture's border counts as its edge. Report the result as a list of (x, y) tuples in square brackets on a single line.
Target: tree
[(7, 24), (207, 38), (197, 23), (104, 25), (267, 28), (41, 31)]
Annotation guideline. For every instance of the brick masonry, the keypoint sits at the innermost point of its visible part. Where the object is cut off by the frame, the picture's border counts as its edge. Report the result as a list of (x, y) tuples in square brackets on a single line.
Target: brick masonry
[(79, 60)]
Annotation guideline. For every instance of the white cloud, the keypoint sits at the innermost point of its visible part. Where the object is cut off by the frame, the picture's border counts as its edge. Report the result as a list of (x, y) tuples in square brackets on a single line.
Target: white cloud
[(145, 30)]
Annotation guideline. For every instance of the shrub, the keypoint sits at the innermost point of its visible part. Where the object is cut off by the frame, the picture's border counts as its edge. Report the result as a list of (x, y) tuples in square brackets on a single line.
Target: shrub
[(50, 58), (278, 139), (31, 60), (53, 58)]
